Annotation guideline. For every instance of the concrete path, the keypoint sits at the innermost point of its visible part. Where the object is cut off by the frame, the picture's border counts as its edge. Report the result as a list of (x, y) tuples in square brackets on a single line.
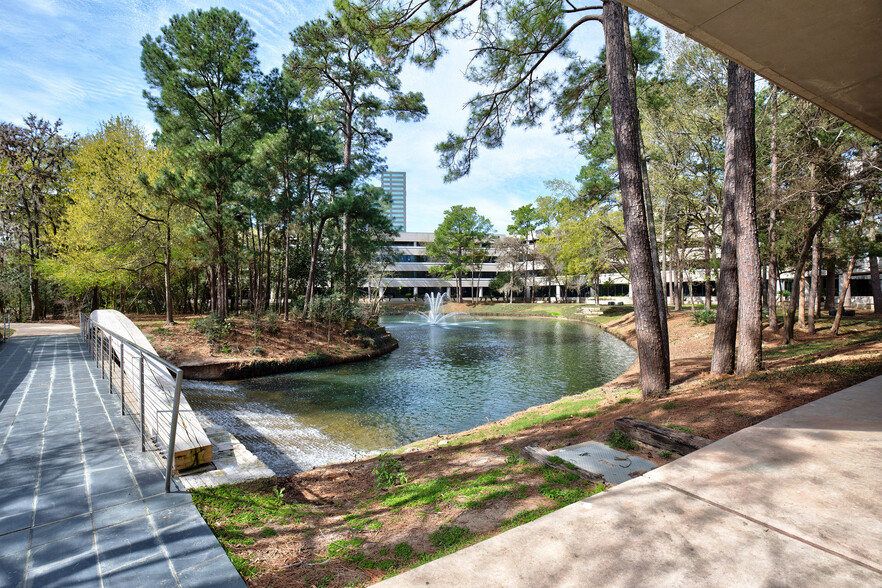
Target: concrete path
[(80, 504), (793, 501)]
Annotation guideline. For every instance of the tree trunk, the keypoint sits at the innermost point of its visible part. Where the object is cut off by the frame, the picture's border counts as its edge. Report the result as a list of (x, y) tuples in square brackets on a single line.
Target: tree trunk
[(287, 271), (654, 366), (846, 283), (814, 286), (750, 285), (723, 358), (707, 247), (647, 193), (773, 218), (800, 291), (805, 248), (874, 284), (167, 266), (313, 258), (677, 281), (830, 286)]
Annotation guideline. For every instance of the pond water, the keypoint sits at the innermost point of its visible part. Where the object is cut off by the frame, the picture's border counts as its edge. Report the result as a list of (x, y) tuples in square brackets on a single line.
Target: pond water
[(440, 380)]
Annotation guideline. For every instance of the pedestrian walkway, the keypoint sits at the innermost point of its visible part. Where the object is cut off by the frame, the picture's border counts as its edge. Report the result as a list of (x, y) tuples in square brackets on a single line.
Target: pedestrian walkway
[(792, 501), (80, 504)]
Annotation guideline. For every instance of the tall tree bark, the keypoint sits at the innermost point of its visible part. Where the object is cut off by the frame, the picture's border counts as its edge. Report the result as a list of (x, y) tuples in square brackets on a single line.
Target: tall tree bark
[(814, 288), (773, 217), (800, 291), (167, 267), (706, 230), (830, 286), (804, 250), (846, 282), (647, 193), (874, 284), (654, 366), (750, 310), (726, 328)]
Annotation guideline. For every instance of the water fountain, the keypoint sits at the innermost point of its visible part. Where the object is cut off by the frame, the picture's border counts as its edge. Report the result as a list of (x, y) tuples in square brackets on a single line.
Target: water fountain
[(435, 315)]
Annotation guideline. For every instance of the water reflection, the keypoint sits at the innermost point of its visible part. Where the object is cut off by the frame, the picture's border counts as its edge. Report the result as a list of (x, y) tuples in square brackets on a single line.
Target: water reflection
[(440, 380)]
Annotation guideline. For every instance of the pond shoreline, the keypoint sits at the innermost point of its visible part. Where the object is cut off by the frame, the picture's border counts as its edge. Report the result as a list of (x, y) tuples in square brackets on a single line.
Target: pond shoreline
[(238, 369)]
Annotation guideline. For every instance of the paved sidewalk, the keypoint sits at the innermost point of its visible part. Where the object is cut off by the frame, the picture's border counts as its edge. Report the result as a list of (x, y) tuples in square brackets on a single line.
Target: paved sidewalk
[(80, 505), (792, 501)]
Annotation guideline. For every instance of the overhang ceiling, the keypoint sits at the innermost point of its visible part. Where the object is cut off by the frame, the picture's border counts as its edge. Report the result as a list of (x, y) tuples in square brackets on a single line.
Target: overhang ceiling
[(824, 51)]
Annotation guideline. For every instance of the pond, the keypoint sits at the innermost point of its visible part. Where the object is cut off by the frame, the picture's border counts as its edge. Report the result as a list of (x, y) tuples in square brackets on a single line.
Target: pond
[(440, 380)]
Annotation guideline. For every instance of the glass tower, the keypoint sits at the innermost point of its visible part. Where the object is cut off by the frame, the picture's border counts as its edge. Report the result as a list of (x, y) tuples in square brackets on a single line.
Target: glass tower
[(395, 183)]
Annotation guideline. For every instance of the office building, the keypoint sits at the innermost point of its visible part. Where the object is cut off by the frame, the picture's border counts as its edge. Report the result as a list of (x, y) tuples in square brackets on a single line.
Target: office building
[(395, 183)]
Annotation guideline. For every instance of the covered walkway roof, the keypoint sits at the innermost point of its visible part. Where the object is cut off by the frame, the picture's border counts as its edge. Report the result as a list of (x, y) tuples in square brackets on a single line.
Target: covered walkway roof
[(827, 52)]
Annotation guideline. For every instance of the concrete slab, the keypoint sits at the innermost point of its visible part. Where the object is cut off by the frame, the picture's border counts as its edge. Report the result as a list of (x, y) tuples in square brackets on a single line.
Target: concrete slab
[(792, 501), (39, 329), (813, 472), (616, 467), (640, 533)]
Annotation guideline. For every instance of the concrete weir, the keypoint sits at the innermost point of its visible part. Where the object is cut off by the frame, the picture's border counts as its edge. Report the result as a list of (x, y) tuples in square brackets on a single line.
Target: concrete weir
[(192, 445)]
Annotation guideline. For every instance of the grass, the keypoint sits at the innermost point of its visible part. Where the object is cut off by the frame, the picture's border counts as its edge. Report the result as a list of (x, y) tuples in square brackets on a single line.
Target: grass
[(579, 405), (619, 440), (679, 428), (467, 493)]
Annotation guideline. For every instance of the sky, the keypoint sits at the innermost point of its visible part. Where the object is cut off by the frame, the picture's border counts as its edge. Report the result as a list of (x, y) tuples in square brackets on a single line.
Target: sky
[(79, 61)]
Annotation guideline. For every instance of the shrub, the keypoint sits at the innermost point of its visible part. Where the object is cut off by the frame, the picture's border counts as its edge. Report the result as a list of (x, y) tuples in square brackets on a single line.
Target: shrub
[(619, 440), (704, 317), (389, 472), (215, 328)]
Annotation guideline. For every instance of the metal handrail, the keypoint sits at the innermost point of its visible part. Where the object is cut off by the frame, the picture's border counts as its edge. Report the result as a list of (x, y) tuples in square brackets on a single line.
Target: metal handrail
[(99, 340)]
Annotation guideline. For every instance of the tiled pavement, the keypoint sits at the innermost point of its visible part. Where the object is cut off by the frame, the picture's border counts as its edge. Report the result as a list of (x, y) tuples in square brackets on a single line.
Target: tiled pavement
[(80, 504)]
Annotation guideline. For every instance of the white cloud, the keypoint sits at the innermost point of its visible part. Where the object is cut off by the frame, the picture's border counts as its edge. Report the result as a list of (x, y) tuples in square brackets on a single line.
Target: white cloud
[(80, 61)]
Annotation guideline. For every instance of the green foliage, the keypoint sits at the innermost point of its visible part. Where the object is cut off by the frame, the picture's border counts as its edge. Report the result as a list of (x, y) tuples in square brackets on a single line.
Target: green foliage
[(344, 547), (619, 440), (403, 551), (669, 405), (449, 536), (268, 532), (215, 328), (704, 317), (460, 243), (389, 472), (562, 462)]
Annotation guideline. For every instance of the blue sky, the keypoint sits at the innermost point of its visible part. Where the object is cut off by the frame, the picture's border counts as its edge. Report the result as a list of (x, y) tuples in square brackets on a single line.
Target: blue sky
[(80, 61)]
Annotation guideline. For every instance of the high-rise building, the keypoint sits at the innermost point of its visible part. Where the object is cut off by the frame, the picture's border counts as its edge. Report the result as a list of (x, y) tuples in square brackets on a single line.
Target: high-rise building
[(395, 183)]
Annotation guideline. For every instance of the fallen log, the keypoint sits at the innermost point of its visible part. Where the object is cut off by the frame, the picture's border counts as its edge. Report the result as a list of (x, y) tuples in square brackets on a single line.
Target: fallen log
[(537, 454), (663, 438)]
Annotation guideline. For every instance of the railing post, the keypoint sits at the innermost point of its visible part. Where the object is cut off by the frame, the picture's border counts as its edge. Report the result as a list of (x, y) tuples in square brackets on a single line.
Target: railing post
[(109, 364), (102, 355), (122, 377), (176, 404), (141, 373)]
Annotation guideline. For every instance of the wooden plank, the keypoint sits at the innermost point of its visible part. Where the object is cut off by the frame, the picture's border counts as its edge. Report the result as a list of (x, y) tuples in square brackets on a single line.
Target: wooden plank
[(537, 454), (663, 438)]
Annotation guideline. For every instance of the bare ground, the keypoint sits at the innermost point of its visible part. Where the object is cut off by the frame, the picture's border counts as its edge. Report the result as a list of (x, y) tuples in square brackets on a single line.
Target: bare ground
[(332, 526)]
